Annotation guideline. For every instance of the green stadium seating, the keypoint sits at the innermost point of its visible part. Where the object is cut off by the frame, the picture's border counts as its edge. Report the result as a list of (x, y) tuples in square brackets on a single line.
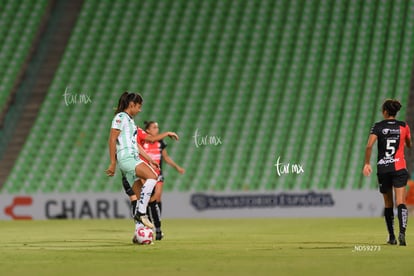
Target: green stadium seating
[(19, 21), (299, 80)]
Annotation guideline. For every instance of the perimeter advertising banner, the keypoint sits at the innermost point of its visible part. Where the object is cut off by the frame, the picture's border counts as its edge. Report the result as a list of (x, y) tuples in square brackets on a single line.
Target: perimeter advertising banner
[(327, 203)]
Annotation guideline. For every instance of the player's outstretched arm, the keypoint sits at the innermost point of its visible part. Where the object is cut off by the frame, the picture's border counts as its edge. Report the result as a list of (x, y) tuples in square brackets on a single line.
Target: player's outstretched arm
[(161, 136), (171, 162)]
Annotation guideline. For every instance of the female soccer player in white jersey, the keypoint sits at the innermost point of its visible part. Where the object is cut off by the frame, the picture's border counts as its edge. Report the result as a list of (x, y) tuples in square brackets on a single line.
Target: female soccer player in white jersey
[(143, 137), (124, 151), (391, 135), (153, 144)]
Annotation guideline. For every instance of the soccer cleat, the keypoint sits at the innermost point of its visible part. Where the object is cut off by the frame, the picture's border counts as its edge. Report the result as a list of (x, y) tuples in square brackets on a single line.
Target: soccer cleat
[(143, 219), (392, 241), (134, 239), (401, 239), (159, 235)]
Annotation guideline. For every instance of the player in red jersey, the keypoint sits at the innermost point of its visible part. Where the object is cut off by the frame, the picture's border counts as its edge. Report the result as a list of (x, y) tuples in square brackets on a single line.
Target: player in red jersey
[(392, 173), (158, 152)]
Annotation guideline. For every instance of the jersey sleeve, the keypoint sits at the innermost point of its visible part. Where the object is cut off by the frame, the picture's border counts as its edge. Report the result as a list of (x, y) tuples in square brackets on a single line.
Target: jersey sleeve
[(375, 130), (117, 122)]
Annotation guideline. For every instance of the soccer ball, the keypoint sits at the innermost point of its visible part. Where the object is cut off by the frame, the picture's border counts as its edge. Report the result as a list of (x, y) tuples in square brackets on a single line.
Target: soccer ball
[(143, 235)]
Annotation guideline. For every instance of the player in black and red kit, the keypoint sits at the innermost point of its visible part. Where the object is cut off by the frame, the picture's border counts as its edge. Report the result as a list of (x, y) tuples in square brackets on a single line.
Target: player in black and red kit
[(156, 150), (392, 172), (152, 142)]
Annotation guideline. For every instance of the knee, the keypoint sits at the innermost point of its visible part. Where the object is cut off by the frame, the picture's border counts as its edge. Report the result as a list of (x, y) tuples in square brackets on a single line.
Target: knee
[(152, 176)]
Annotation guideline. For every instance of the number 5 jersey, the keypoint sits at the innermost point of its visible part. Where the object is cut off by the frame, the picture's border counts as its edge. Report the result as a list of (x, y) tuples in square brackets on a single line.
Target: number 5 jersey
[(391, 136)]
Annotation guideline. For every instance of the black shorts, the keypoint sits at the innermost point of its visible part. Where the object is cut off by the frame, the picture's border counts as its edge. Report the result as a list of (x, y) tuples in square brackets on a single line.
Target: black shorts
[(396, 179)]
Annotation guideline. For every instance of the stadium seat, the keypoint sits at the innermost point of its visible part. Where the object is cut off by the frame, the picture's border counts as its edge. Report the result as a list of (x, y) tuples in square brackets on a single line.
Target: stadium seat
[(296, 80), (18, 26)]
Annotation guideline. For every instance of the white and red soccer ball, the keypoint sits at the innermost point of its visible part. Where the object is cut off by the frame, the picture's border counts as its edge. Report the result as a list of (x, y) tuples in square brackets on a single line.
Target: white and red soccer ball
[(144, 235)]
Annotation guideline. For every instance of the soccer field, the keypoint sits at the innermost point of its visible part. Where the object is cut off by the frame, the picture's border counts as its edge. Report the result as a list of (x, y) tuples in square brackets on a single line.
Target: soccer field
[(204, 247)]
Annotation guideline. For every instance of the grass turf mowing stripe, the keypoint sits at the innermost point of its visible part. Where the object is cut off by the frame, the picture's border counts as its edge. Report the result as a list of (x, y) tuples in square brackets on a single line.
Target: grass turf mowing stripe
[(310, 246)]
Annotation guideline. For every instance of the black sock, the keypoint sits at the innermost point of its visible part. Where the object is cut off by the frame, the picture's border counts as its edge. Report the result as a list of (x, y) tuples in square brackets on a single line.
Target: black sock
[(133, 206), (154, 214), (402, 217), (389, 220), (127, 188), (158, 209), (159, 206)]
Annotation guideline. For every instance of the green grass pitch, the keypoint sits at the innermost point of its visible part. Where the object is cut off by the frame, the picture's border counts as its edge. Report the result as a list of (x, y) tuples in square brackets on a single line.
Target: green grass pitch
[(329, 246)]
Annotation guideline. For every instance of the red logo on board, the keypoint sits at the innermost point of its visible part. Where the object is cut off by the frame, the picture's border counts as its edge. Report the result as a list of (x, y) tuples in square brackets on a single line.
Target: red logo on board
[(18, 201)]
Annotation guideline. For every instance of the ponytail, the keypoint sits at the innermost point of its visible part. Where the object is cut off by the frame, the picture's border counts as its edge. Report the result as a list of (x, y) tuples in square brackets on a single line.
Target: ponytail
[(125, 99)]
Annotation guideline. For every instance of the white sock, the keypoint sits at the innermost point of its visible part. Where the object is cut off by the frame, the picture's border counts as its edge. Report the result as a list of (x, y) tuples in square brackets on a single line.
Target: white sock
[(146, 195)]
